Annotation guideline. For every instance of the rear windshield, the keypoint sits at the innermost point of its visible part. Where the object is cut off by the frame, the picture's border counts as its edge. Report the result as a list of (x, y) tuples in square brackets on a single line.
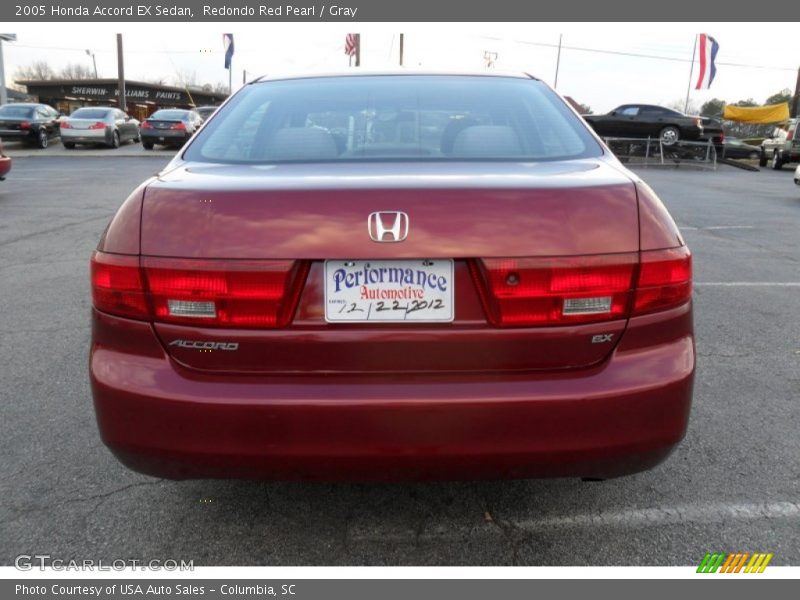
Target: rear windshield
[(394, 117), (16, 111), (170, 115), (90, 113)]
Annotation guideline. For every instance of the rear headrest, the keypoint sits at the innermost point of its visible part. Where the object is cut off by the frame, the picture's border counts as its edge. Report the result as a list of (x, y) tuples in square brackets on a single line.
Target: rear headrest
[(301, 143), (487, 141)]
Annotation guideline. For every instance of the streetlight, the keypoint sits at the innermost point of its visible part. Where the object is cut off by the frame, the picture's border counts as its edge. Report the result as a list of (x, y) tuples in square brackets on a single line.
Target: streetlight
[(94, 60), (4, 37)]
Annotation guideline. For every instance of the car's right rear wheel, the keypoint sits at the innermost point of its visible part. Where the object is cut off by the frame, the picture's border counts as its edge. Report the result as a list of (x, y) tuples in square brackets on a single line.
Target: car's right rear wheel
[(147, 145), (43, 139), (762, 158), (777, 161), (69, 145)]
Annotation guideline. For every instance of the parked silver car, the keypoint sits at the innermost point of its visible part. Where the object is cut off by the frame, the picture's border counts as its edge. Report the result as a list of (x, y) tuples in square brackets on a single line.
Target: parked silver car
[(98, 125)]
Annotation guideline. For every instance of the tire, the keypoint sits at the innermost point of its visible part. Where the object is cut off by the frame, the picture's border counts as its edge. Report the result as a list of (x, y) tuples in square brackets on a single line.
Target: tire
[(762, 158), (69, 145), (669, 135), (138, 138), (147, 145), (777, 161), (114, 140), (42, 140)]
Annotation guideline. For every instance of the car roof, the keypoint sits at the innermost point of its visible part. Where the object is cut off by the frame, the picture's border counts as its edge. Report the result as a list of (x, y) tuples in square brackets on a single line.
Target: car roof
[(391, 72)]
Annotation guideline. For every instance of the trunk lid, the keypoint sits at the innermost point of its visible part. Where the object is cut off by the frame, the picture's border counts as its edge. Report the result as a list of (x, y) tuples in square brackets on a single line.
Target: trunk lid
[(459, 211)]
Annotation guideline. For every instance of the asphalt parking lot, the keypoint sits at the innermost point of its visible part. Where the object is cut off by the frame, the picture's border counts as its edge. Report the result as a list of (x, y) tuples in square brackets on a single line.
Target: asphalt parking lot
[(733, 485)]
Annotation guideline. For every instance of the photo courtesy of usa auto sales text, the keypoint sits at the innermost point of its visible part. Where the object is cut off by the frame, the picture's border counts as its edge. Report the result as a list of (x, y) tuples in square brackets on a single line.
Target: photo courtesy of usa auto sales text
[(153, 590)]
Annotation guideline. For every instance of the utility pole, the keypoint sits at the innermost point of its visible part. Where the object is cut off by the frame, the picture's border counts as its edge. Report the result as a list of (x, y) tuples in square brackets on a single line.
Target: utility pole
[(358, 49), (796, 99), (402, 39), (123, 105), (4, 37)]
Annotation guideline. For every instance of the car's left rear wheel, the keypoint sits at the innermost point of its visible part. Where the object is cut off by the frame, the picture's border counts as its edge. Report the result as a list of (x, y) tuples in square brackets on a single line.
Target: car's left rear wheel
[(669, 135)]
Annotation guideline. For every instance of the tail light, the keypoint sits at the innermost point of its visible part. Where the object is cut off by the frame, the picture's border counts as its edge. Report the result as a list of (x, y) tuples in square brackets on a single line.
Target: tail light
[(65, 125), (180, 125), (146, 125), (665, 280), (208, 293), (25, 125), (117, 285), (519, 292), (790, 136), (98, 125), (556, 291)]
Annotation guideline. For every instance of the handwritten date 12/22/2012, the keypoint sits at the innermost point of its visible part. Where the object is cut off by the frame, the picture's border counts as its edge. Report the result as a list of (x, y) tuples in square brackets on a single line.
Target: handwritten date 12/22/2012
[(382, 306)]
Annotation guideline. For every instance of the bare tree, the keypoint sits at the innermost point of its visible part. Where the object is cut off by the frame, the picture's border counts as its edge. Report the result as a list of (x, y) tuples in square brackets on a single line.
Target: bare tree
[(678, 105), (185, 78), (221, 87), (76, 71), (37, 70)]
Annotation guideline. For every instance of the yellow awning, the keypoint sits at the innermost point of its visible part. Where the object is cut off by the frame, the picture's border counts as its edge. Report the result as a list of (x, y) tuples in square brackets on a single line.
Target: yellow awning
[(772, 113)]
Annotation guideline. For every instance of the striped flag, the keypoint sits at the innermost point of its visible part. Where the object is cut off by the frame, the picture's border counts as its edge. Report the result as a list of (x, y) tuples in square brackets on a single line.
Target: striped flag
[(227, 41), (708, 48), (350, 44)]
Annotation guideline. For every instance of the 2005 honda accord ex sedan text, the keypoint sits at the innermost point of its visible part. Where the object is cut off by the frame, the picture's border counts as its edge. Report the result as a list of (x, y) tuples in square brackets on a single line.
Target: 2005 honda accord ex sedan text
[(392, 276)]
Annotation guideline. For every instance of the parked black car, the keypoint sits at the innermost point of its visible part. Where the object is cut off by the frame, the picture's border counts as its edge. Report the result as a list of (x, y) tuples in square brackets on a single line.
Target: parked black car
[(169, 127), (657, 122), (736, 148), (32, 123)]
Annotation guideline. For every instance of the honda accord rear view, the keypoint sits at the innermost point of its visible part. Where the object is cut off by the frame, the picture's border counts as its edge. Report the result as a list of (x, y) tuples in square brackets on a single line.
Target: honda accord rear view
[(392, 276)]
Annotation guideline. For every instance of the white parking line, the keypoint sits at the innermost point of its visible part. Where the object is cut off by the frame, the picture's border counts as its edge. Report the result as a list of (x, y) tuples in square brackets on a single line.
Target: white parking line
[(716, 227), (687, 514), (790, 284), (652, 517)]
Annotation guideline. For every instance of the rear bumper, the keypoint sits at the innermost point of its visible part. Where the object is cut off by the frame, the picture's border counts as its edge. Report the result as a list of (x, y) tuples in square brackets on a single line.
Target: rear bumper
[(165, 136), (99, 136), (618, 418), (25, 135)]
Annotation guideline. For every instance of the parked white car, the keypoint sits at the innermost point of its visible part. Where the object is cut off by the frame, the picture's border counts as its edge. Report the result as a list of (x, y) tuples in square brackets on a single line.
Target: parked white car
[(797, 175)]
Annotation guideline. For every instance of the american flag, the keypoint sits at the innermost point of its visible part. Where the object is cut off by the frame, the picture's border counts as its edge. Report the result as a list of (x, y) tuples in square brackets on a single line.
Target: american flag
[(350, 44)]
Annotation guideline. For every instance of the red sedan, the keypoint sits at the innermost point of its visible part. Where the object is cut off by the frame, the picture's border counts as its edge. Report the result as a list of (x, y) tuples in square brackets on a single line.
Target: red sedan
[(392, 276)]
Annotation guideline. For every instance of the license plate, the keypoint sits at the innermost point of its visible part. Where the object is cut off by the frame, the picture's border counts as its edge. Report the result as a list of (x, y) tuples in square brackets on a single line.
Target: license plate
[(389, 291)]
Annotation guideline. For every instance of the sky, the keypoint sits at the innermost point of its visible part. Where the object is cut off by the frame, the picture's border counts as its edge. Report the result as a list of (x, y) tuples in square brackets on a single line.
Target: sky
[(589, 69)]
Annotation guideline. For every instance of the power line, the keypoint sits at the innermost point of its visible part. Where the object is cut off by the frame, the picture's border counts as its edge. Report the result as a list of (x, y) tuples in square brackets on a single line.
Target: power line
[(635, 54)]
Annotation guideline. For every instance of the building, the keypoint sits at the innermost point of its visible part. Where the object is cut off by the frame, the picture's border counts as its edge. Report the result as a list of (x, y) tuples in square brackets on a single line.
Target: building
[(65, 95)]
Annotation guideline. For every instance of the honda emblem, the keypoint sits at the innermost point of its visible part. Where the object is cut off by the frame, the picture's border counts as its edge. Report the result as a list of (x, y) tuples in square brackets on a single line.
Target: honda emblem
[(388, 226)]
